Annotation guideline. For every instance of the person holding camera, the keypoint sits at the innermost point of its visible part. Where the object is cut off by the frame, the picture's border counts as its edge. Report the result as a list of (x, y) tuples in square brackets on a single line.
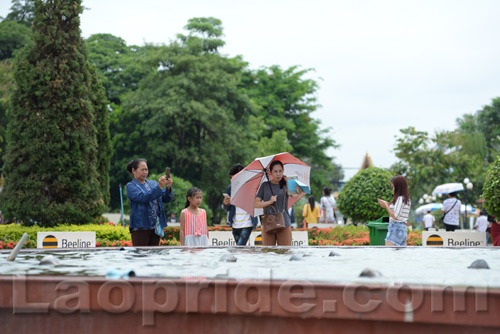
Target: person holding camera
[(147, 216)]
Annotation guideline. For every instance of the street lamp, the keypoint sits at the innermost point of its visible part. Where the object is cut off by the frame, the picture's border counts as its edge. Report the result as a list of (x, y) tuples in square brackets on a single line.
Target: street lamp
[(427, 198), (468, 186)]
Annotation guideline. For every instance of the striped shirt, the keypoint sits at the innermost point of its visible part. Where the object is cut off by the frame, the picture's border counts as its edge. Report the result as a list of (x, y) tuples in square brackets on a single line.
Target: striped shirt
[(195, 224), (401, 210), (241, 219)]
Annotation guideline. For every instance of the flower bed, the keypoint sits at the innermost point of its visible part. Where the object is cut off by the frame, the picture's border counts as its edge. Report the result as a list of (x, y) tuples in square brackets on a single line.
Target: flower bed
[(109, 235), (339, 236)]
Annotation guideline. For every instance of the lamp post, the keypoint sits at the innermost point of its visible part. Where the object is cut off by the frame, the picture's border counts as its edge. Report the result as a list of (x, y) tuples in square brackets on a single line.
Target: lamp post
[(468, 186)]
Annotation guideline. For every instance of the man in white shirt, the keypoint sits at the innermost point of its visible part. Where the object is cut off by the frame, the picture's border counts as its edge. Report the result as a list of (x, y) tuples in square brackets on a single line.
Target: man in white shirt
[(428, 220), (482, 223)]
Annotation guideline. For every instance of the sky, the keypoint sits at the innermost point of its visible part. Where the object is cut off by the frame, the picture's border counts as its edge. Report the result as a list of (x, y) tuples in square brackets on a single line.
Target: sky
[(382, 65)]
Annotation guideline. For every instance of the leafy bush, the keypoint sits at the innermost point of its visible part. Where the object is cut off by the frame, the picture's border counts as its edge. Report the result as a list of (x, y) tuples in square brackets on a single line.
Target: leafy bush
[(109, 232), (109, 235), (491, 189), (358, 199)]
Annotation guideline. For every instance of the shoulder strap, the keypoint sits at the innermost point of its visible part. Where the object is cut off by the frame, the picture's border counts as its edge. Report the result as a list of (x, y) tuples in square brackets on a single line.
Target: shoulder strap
[(451, 208)]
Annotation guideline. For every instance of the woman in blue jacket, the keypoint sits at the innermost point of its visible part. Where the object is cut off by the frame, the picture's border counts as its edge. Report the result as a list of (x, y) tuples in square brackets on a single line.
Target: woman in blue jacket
[(146, 197)]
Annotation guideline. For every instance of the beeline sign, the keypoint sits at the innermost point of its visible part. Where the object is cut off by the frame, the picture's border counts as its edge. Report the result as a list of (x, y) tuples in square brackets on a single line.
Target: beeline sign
[(66, 239)]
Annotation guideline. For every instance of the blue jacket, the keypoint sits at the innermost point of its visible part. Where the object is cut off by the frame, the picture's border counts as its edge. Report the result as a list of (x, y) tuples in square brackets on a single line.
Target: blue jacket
[(141, 204), (232, 211)]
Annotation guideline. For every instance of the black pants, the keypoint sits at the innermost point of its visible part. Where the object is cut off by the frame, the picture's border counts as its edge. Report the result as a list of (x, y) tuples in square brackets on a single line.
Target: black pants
[(145, 238), (450, 228)]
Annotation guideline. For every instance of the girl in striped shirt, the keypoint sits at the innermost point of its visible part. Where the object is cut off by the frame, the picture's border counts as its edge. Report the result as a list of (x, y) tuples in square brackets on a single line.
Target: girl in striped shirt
[(399, 210), (194, 230)]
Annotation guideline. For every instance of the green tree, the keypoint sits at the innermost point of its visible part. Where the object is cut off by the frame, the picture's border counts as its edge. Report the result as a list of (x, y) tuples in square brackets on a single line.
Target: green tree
[(483, 123), (22, 12), (13, 36), (188, 113), (52, 161), (286, 102), (358, 198), (5, 90), (489, 120), (427, 162), (491, 189), (120, 67)]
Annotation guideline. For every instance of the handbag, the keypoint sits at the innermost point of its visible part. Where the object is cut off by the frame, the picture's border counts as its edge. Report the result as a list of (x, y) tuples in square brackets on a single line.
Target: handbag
[(158, 229), (275, 221)]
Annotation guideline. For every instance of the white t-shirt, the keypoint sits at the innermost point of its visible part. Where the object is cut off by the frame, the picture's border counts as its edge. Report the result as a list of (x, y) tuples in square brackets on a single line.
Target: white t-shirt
[(327, 203), (428, 220), (482, 224), (241, 218), (453, 210)]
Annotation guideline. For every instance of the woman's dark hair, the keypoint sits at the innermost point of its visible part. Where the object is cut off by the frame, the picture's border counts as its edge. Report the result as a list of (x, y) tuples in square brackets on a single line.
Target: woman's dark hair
[(327, 191), (453, 194), (191, 192), (483, 212), (236, 169), (400, 189), (312, 202), (134, 164), (271, 166)]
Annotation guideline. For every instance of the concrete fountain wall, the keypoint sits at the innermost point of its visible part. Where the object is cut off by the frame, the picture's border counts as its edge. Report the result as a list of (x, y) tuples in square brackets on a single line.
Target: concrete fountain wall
[(82, 304)]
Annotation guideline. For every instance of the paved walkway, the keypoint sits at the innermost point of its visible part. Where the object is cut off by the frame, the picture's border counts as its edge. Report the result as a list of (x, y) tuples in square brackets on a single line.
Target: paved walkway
[(115, 218)]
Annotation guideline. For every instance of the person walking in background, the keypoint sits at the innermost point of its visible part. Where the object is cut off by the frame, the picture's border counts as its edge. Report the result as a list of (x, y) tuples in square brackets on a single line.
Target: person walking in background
[(482, 223), (451, 211), (146, 208), (194, 229), (311, 212), (327, 207), (238, 219), (399, 210), (429, 220)]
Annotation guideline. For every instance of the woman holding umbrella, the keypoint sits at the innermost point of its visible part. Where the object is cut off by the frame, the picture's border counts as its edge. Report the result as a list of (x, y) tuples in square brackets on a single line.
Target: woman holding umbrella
[(274, 193)]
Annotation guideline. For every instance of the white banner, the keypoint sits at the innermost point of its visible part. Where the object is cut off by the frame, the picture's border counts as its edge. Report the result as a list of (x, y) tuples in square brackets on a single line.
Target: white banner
[(65, 239), (454, 239), (225, 238)]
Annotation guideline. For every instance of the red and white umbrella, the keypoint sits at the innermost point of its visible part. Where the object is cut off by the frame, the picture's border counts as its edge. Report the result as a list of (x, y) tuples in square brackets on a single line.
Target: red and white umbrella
[(246, 184)]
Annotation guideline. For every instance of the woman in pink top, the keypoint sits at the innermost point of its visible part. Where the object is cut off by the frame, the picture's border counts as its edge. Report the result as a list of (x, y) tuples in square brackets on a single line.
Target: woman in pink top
[(194, 230)]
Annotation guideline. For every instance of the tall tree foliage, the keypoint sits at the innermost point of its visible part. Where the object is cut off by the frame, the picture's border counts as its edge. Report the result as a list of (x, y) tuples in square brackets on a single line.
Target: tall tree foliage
[(6, 79), (482, 130), (184, 113), (57, 141), (120, 67), (22, 11), (286, 101), (428, 161)]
